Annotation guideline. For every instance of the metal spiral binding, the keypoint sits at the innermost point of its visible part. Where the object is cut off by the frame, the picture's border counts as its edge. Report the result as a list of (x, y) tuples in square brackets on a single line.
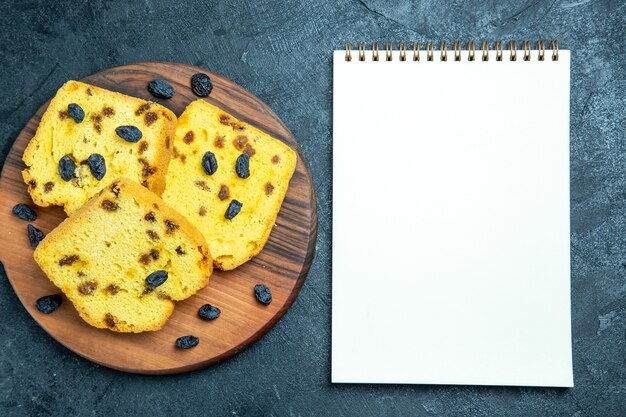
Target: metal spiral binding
[(457, 48)]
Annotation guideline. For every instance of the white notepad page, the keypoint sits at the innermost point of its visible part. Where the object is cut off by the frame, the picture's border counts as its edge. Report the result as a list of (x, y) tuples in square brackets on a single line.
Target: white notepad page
[(451, 226)]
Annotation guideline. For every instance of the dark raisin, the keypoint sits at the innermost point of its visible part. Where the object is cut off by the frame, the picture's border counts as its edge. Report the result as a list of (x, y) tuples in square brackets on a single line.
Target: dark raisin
[(160, 89), (97, 165), (171, 226), (156, 278), (223, 193), (225, 119), (187, 342), (242, 166), (142, 109), (154, 254), (49, 303), (24, 212), (109, 319), (180, 251), (149, 217), (128, 133), (233, 209), (209, 312), (263, 294), (113, 289), (88, 287), (240, 142), (109, 205), (76, 112), (68, 260), (188, 137), (249, 150), (34, 236), (66, 168), (209, 163), (201, 84), (269, 189), (150, 118), (47, 187)]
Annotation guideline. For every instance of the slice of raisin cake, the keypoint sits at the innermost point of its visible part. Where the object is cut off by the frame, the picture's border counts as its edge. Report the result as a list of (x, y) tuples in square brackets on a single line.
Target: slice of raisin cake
[(124, 257), (229, 179), (89, 136)]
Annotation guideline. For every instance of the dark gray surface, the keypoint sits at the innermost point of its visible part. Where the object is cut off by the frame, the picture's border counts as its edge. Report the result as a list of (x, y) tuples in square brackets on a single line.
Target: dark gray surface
[(281, 51)]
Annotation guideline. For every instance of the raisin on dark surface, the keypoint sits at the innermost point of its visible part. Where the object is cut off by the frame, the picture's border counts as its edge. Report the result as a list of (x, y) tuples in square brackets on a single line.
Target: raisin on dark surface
[(76, 112), (209, 163), (209, 312), (201, 84), (24, 212), (34, 236), (66, 168), (187, 342), (233, 209), (242, 166), (263, 294), (97, 165), (156, 278), (49, 303), (160, 89), (129, 133)]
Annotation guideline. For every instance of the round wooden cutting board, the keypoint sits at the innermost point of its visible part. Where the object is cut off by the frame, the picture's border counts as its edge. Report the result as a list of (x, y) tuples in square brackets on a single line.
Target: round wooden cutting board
[(282, 265)]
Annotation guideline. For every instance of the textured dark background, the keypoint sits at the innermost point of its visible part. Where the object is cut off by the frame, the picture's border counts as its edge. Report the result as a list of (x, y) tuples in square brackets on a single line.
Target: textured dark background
[(281, 51)]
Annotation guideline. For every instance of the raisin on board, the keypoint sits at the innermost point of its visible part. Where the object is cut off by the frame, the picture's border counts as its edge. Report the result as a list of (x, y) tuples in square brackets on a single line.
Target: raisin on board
[(209, 312), (129, 133), (34, 236), (76, 112), (201, 84), (160, 89), (242, 166), (66, 168), (263, 294), (209, 163), (97, 165), (49, 303), (187, 342), (156, 278), (24, 212), (233, 209)]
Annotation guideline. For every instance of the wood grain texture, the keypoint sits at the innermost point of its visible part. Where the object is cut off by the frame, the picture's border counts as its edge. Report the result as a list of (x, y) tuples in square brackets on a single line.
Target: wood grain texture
[(282, 265)]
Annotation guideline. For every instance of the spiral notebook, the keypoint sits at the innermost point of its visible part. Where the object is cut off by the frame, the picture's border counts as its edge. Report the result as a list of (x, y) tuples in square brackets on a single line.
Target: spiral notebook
[(451, 227)]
